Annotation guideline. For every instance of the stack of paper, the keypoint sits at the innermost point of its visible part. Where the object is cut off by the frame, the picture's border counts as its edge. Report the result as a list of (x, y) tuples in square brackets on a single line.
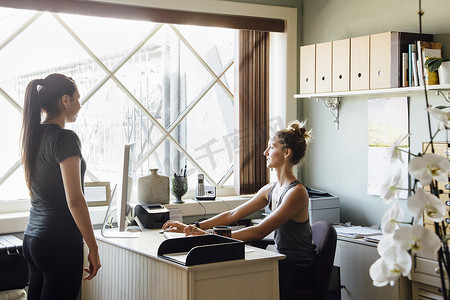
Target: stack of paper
[(357, 231), (374, 238)]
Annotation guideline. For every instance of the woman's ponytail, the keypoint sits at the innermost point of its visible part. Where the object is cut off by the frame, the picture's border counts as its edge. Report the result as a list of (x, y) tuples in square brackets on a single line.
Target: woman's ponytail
[(30, 126)]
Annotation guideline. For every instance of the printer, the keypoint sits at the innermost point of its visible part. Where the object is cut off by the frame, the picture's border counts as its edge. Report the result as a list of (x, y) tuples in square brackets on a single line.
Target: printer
[(323, 206), (151, 215)]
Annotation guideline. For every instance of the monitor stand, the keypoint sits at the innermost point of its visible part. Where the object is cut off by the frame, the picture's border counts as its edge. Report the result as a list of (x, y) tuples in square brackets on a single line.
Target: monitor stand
[(114, 232)]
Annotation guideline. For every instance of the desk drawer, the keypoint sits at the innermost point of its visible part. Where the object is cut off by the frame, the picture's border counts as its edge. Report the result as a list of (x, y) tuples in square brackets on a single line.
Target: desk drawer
[(425, 292), (426, 270)]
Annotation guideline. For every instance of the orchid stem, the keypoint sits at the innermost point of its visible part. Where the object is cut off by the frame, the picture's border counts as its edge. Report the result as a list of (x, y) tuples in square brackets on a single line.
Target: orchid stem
[(408, 152), (432, 138)]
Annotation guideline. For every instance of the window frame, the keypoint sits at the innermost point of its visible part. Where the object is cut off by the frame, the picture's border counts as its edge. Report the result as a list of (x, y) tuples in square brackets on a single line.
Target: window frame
[(283, 75)]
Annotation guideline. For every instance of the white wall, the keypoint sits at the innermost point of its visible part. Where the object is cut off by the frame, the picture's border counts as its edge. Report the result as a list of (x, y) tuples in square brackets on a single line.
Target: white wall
[(337, 161)]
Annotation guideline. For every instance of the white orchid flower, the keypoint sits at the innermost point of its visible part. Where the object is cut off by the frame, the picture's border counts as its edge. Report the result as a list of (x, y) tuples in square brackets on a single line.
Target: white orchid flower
[(418, 239), (379, 273), (393, 152), (394, 262), (423, 202), (385, 243), (389, 189), (442, 116), (389, 223), (429, 166)]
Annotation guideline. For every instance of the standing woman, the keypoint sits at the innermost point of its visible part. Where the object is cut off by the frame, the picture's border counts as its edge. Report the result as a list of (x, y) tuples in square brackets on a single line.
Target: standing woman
[(54, 172), (287, 200)]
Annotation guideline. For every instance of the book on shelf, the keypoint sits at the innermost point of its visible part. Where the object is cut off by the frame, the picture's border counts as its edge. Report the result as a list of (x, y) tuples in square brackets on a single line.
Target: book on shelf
[(420, 69), (401, 42), (414, 70), (427, 50), (405, 69), (411, 78)]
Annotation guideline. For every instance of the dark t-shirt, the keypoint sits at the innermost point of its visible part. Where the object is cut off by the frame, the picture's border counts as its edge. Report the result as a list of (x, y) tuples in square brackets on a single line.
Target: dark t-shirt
[(50, 218)]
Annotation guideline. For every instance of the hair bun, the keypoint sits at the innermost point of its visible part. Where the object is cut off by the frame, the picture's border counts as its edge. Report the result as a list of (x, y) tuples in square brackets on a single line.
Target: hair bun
[(297, 127)]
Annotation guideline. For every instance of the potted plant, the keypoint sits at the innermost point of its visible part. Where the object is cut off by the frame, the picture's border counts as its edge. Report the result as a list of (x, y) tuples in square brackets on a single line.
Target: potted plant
[(442, 65)]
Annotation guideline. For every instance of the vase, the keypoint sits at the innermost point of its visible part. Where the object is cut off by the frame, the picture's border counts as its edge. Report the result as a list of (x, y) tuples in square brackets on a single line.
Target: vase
[(153, 188), (178, 187), (444, 73)]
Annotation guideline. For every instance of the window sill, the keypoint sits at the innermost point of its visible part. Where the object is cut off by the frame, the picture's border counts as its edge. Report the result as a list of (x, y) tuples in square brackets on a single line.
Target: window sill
[(17, 222), (13, 222)]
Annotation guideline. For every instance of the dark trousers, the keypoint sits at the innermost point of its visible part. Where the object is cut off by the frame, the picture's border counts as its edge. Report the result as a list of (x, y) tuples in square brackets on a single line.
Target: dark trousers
[(56, 270), (293, 277)]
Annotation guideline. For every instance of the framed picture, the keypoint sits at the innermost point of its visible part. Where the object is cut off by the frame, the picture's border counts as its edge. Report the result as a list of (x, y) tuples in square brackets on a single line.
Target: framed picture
[(97, 193)]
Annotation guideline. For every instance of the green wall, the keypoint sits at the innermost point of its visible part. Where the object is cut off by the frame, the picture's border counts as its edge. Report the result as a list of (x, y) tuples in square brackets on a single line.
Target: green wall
[(337, 161)]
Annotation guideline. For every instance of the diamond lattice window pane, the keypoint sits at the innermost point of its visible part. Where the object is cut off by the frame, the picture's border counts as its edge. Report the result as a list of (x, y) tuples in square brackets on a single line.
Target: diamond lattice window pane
[(107, 122), (214, 45), (210, 133), (109, 39), (165, 74), (45, 46), (11, 19), (14, 187), (10, 123), (168, 86), (228, 79)]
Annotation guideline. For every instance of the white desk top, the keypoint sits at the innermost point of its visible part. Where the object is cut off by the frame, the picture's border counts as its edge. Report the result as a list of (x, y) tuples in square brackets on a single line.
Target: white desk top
[(148, 243)]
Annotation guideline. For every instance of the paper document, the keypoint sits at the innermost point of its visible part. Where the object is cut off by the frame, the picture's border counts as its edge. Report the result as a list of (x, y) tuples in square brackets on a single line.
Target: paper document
[(357, 231), (248, 249), (177, 257), (374, 238), (175, 214)]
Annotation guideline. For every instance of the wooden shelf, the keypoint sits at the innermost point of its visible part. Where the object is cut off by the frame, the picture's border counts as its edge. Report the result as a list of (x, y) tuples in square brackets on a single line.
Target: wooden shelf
[(403, 90), (332, 100)]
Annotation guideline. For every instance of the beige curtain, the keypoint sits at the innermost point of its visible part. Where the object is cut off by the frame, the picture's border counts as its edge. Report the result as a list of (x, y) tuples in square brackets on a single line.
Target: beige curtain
[(253, 109)]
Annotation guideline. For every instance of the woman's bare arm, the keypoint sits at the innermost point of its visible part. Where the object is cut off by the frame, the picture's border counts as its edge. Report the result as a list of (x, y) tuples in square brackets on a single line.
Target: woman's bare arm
[(71, 174), (294, 201), (259, 201)]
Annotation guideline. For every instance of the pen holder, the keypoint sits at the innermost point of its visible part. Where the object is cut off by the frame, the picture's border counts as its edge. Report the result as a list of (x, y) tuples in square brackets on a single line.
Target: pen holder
[(178, 187)]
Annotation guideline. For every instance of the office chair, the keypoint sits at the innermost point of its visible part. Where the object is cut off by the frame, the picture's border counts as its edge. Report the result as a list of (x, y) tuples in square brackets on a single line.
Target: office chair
[(325, 238)]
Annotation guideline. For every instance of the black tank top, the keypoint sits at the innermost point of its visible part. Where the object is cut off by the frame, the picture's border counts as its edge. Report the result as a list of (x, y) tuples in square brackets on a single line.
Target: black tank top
[(293, 239)]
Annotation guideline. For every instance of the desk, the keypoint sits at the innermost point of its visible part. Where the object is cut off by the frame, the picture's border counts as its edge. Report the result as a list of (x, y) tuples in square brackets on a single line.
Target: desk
[(354, 258), (131, 269)]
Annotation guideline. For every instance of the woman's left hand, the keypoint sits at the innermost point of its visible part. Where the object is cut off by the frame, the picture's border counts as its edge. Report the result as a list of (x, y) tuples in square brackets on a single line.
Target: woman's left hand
[(174, 226), (193, 230)]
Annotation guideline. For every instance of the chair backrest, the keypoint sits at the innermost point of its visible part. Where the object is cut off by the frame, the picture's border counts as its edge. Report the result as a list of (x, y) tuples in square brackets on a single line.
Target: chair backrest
[(325, 238)]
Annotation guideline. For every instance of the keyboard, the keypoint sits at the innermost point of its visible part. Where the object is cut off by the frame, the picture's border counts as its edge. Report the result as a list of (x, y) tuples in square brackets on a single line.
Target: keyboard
[(173, 235)]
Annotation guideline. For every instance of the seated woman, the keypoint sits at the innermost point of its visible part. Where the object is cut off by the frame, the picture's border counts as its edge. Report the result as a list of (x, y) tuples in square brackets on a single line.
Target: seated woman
[(288, 201)]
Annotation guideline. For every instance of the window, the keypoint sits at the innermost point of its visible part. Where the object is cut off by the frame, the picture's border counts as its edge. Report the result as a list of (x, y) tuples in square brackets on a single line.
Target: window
[(168, 88)]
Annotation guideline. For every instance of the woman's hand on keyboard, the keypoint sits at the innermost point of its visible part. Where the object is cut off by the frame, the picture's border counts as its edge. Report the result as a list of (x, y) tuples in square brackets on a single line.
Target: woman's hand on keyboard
[(193, 230), (174, 226)]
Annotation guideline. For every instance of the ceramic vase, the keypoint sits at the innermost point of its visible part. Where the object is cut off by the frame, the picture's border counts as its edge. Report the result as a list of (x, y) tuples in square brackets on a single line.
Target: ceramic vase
[(153, 188)]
